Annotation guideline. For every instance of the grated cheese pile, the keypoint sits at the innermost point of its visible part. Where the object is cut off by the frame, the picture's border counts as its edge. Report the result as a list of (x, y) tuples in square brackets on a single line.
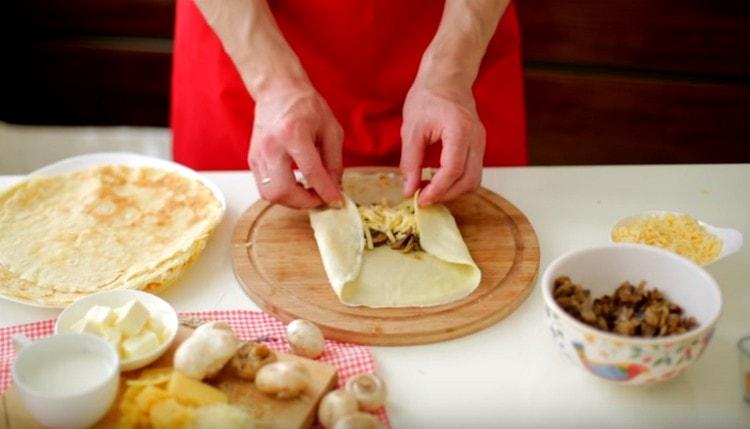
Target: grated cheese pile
[(397, 222), (679, 233)]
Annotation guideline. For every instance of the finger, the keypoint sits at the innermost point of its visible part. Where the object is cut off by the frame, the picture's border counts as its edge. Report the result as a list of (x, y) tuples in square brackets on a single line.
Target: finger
[(330, 151), (257, 168), (413, 144), (452, 164), (254, 163), (308, 161), (472, 177), (283, 188)]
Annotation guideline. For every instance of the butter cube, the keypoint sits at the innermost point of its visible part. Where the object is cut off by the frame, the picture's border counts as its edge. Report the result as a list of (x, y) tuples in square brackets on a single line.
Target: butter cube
[(85, 326), (131, 317), (100, 315), (111, 334), (141, 344), (157, 325)]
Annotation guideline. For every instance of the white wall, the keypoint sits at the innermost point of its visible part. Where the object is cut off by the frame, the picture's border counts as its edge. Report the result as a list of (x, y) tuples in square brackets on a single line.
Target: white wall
[(26, 148)]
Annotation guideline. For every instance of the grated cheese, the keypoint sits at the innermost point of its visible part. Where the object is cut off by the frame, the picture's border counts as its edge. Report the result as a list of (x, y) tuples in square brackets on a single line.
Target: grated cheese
[(679, 233), (395, 222)]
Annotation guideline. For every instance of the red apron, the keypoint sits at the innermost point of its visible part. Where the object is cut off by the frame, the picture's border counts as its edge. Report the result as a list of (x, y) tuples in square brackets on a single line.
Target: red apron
[(362, 56)]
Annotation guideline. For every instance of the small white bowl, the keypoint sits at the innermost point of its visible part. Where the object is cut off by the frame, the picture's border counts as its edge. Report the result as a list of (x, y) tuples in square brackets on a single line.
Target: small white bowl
[(731, 239), (56, 383), (632, 360), (115, 298)]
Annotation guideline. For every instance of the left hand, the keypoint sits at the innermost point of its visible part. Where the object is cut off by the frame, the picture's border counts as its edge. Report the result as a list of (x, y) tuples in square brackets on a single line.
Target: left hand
[(449, 115)]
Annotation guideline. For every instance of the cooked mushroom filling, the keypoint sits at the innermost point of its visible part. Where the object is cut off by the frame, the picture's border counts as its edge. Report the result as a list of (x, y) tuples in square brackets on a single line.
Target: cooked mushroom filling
[(393, 226), (633, 311)]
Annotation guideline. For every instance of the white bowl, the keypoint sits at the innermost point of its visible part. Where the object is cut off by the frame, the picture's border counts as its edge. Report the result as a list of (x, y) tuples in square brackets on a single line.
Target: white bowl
[(632, 360), (115, 298), (56, 384), (731, 239)]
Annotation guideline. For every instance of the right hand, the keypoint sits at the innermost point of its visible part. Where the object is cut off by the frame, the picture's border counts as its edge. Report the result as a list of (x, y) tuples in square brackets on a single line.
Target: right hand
[(296, 125)]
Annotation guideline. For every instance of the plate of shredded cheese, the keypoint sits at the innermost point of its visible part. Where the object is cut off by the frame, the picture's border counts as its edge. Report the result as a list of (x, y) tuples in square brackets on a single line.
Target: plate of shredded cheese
[(679, 232)]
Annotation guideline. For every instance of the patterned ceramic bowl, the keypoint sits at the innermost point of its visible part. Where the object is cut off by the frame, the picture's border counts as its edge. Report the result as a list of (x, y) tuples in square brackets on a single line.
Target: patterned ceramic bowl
[(629, 360)]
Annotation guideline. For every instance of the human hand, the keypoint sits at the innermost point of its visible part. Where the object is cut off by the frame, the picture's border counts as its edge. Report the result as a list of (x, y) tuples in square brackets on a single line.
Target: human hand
[(447, 114), (296, 125)]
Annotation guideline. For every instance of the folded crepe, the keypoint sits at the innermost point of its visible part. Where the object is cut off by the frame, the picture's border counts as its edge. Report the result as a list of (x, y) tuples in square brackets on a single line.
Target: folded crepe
[(440, 271)]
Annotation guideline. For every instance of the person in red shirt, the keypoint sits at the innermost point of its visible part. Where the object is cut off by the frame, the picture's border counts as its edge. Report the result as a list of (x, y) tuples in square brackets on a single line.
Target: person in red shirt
[(333, 83)]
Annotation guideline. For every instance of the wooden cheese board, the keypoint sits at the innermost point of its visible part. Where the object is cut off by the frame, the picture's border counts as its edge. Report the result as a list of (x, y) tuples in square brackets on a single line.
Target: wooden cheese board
[(277, 263), (270, 412)]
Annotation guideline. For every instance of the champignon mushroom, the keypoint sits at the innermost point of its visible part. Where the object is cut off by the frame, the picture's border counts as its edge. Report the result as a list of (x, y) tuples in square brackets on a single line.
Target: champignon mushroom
[(283, 379), (335, 405), (378, 238), (305, 339), (206, 351), (358, 420), (369, 391), (250, 358)]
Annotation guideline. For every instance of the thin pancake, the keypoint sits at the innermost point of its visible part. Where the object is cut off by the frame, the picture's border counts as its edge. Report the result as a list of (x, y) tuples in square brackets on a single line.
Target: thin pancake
[(108, 227)]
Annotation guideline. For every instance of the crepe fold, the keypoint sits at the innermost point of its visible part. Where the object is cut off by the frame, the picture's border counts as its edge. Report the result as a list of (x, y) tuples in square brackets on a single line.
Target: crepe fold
[(107, 227), (383, 277)]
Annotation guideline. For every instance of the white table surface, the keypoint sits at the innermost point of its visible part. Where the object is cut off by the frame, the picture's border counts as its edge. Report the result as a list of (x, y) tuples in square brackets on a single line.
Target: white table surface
[(511, 374)]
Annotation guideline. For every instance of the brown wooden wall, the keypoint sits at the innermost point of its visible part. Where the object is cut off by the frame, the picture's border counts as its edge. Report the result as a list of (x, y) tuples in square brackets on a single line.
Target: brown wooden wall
[(628, 81), (616, 81)]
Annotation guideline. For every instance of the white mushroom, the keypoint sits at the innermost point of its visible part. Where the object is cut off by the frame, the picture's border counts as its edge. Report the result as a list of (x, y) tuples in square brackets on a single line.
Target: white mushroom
[(305, 339), (206, 351), (335, 405), (284, 379), (369, 391), (358, 420)]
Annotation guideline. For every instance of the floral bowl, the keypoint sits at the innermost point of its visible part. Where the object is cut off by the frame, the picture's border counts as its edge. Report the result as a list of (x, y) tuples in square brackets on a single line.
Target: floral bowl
[(632, 360)]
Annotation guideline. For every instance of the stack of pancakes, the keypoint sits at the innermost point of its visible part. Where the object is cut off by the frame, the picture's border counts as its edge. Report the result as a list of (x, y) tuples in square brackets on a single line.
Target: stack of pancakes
[(107, 227)]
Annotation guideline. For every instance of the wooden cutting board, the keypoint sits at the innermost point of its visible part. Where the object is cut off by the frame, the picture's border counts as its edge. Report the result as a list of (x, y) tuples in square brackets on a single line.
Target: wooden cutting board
[(271, 413), (277, 263)]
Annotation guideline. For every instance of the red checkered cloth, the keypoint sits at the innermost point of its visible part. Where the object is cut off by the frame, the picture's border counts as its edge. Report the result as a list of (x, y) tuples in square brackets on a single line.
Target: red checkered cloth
[(349, 359)]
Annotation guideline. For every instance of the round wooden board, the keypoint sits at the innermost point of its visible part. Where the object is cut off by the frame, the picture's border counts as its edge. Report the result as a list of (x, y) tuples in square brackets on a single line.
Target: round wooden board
[(276, 261)]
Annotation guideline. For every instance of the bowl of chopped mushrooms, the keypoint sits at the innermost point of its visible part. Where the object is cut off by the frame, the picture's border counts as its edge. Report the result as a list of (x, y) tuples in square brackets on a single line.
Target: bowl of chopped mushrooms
[(630, 313)]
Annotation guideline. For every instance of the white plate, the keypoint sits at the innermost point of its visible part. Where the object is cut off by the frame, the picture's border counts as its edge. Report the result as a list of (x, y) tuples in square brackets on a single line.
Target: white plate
[(731, 239), (76, 163)]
